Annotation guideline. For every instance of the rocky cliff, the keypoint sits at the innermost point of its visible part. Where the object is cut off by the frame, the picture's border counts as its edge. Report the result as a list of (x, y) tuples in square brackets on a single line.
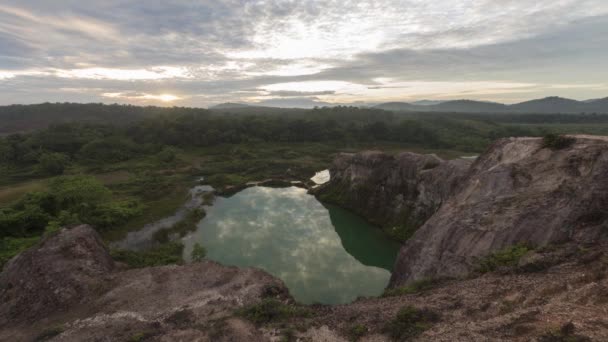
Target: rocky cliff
[(516, 192), (396, 192), (68, 288)]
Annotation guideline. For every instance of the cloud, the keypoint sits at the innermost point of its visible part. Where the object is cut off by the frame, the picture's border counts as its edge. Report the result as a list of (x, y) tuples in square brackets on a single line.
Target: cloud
[(240, 50)]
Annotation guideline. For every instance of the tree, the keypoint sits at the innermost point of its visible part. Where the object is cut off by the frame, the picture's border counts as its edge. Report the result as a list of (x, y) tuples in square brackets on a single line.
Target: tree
[(53, 163), (79, 194)]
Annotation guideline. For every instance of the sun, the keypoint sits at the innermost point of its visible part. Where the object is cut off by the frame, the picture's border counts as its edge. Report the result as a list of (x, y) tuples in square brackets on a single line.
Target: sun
[(167, 97)]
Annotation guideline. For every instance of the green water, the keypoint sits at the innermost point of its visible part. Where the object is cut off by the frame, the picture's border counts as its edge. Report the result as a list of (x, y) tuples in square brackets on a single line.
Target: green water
[(323, 254)]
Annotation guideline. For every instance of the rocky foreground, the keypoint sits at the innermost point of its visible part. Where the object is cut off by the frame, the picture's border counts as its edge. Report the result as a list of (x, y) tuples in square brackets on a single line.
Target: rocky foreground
[(550, 203)]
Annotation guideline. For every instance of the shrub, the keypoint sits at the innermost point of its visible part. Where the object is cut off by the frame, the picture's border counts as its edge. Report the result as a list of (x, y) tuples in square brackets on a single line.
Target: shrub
[(415, 287), (53, 163), (167, 254), (167, 154), (356, 332), (557, 142), (198, 252), (9, 247), (271, 310), (410, 322), (507, 257), (107, 215)]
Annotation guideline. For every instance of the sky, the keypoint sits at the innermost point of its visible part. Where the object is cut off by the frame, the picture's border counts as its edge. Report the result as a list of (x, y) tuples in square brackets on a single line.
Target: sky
[(301, 53)]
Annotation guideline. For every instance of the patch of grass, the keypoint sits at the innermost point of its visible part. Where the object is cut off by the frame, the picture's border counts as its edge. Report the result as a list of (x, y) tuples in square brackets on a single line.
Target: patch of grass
[(14, 192), (9, 247), (170, 253), (141, 336), (181, 228), (356, 332), (415, 287), (49, 333), (410, 322), (507, 257), (557, 142), (271, 310)]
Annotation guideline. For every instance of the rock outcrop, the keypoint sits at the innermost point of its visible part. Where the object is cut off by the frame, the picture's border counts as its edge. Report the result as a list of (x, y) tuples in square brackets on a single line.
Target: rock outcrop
[(396, 192), (516, 192), (62, 271), (68, 288)]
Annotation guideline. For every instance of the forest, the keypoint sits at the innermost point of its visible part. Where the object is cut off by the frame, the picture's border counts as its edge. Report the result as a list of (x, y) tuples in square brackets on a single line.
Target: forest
[(118, 174)]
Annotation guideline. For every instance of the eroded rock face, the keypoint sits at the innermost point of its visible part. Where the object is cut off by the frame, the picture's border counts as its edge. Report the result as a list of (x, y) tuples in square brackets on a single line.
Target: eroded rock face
[(70, 283), (397, 192), (64, 270), (517, 191)]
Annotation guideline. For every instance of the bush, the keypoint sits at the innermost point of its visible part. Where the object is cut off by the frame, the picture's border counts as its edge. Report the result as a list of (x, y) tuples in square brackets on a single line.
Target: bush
[(356, 332), (167, 254), (507, 257), (53, 163), (9, 247), (108, 150), (557, 142), (271, 310), (415, 287), (111, 214), (198, 252), (410, 322), (78, 193), (167, 154)]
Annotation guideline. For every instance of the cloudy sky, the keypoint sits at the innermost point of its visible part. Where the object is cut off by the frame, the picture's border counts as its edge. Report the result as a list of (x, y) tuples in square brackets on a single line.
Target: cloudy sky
[(200, 53)]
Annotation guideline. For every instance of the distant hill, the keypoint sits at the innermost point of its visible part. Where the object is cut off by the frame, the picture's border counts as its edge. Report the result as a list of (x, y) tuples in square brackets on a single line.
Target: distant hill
[(427, 102), (398, 106), (229, 105), (466, 106), (548, 105), (469, 106)]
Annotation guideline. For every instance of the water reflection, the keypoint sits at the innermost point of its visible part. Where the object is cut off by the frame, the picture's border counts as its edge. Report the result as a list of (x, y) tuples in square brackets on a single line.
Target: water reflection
[(291, 235)]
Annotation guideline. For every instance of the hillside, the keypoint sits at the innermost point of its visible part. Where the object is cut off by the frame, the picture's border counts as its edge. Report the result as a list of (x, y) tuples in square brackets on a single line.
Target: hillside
[(549, 105)]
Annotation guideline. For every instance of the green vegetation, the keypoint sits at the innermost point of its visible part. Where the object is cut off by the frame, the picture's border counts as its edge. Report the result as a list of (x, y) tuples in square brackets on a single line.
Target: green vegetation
[(198, 252), (9, 247), (356, 332), (166, 254), (120, 167), (69, 200), (410, 322), (181, 228), (557, 142), (272, 310), (416, 287), (506, 257)]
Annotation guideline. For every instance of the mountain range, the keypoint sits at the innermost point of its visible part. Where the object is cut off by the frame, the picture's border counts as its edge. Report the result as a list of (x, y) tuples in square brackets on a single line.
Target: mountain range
[(546, 105)]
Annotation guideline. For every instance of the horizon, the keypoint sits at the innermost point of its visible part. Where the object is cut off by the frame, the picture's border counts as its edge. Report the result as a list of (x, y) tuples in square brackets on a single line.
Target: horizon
[(302, 54)]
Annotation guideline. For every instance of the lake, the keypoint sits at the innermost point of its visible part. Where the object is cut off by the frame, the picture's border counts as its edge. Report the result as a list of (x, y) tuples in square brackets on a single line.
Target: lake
[(323, 253)]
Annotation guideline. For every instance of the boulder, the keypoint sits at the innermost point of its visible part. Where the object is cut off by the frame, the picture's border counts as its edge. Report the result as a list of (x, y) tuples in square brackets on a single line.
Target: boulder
[(65, 269)]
